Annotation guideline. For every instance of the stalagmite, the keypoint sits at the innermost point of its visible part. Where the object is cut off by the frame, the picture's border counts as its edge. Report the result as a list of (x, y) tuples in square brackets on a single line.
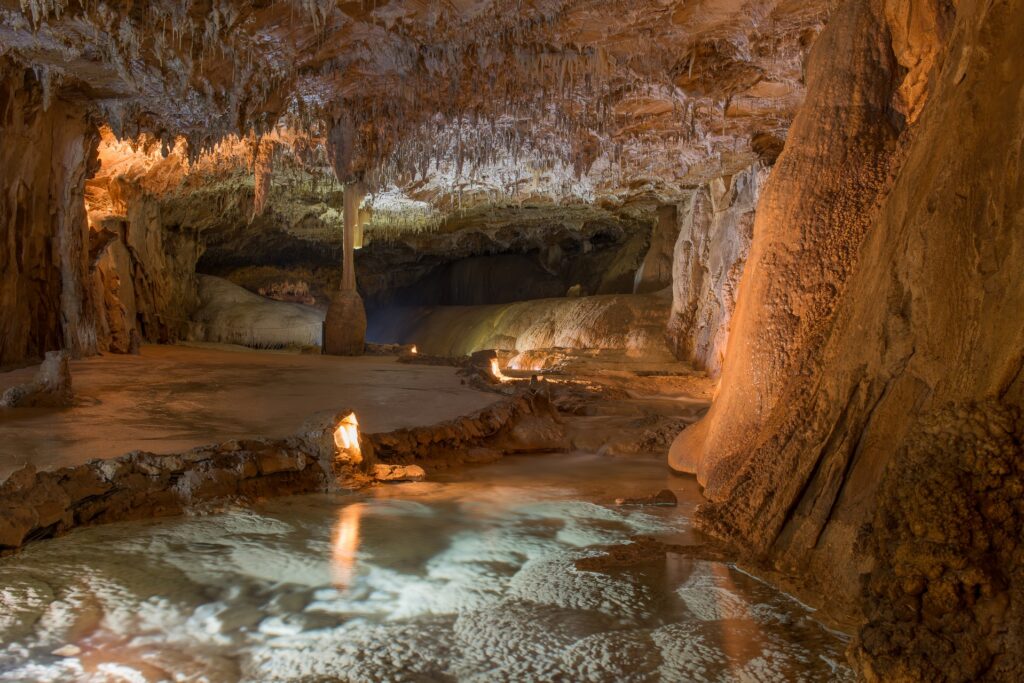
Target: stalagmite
[(345, 324)]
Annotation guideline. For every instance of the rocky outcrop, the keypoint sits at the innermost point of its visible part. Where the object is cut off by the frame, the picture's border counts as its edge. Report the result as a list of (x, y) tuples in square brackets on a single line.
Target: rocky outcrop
[(383, 472), (808, 237), (527, 422), (42, 504), (708, 260), (867, 434), (36, 505), (143, 277), (230, 314), (344, 327), (628, 323)]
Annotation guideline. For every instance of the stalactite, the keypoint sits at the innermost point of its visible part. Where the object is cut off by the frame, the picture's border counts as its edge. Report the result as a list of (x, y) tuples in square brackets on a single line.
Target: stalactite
[(263, 174)]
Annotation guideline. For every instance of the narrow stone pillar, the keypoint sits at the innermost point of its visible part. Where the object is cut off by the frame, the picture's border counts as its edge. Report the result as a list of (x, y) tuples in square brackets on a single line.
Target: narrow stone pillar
[(345, 325)]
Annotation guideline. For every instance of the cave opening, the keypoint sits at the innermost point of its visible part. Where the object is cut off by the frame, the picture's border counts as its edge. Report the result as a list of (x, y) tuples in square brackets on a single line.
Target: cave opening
[(494, 340)]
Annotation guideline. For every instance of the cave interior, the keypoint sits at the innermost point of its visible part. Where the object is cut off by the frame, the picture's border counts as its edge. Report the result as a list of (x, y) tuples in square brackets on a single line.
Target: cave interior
[(512, 340)]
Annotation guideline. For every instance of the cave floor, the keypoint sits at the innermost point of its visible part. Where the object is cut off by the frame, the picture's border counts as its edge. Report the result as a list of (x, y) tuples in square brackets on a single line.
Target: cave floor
[(172, 398), (469, 577)]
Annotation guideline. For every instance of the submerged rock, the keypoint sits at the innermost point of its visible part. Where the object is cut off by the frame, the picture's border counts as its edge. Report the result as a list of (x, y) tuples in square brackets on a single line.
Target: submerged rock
[(384, 472), (663, 498)]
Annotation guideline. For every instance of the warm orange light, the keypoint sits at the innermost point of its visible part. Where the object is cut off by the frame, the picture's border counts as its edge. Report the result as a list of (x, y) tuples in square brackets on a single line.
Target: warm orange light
[(497, 373), (345, 545), (346, 437), (414, 350)]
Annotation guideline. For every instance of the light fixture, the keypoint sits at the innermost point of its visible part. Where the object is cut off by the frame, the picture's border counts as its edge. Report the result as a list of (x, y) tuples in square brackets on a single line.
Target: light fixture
[(346, 438)]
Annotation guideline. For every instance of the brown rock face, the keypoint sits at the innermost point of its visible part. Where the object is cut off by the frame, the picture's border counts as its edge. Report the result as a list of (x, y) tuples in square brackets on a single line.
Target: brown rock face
[(868, 427), (709, 256), (345, 325), (47, 151), (66, 284), (808, 236)]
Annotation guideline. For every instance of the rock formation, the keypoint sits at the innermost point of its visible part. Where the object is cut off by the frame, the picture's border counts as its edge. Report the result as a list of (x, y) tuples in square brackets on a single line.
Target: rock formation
[(631, 325), (708, 260), (41, 504), (48, 150), (231, 315), (655, 273), (871, 394), (344, 331)]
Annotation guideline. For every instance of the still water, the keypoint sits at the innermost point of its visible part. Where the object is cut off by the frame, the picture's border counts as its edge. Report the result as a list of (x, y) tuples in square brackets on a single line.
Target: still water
[(470, 577)]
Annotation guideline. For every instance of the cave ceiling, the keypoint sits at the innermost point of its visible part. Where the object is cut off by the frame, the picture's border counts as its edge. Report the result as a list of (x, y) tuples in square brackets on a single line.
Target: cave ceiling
[(436, 104)]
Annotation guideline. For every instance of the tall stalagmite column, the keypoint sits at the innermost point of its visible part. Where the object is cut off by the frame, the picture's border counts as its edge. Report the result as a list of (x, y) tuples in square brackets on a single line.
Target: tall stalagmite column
[(345, 325)]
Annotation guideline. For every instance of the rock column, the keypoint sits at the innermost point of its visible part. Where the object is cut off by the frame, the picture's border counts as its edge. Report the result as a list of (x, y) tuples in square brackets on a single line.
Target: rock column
[(345, 325)]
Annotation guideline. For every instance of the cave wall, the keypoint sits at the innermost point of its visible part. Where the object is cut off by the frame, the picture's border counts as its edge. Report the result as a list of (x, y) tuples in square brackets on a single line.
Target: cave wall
[(868, 431), (47, 148), (143, 276), (65, 283), (164, 250), (631, 323), (708, 258), (482, 280)]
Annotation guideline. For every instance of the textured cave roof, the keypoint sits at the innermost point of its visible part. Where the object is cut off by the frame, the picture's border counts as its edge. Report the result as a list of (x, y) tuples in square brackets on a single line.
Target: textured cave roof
[(583, 100)]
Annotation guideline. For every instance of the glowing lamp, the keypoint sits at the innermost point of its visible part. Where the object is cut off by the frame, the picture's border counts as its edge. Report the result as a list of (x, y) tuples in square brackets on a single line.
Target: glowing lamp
[(346, 437), (414, 350)]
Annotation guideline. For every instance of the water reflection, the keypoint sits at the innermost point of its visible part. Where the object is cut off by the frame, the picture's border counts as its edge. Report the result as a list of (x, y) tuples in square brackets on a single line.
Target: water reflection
[(345, 545), (471, 580)]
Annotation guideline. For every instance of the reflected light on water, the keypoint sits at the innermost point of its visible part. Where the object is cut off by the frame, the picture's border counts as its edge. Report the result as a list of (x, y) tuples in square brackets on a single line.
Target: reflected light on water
[(345, 545)]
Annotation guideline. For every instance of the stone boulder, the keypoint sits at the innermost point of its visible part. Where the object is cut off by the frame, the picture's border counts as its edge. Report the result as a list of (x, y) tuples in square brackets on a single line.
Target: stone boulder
[(384, 472)]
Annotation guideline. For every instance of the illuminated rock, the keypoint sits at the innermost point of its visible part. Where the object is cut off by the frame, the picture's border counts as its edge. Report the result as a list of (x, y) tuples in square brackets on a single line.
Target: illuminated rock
[(382, 472), (345, 325)]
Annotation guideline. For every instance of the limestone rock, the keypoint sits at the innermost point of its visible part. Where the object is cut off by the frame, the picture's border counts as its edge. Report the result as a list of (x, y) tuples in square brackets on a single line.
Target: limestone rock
[(383, 472), (872, 393), (663, 498), (655, 273), (709, 258), (631, 324), (229, 314), (345, 325)]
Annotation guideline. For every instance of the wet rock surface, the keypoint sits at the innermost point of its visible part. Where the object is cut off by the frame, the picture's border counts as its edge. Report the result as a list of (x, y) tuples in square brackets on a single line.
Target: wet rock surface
[(36, 505), (382, 472), (663, 498)]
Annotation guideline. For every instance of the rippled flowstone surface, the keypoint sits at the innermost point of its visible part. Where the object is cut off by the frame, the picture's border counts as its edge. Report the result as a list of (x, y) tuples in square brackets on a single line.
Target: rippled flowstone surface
[(451, 581)]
